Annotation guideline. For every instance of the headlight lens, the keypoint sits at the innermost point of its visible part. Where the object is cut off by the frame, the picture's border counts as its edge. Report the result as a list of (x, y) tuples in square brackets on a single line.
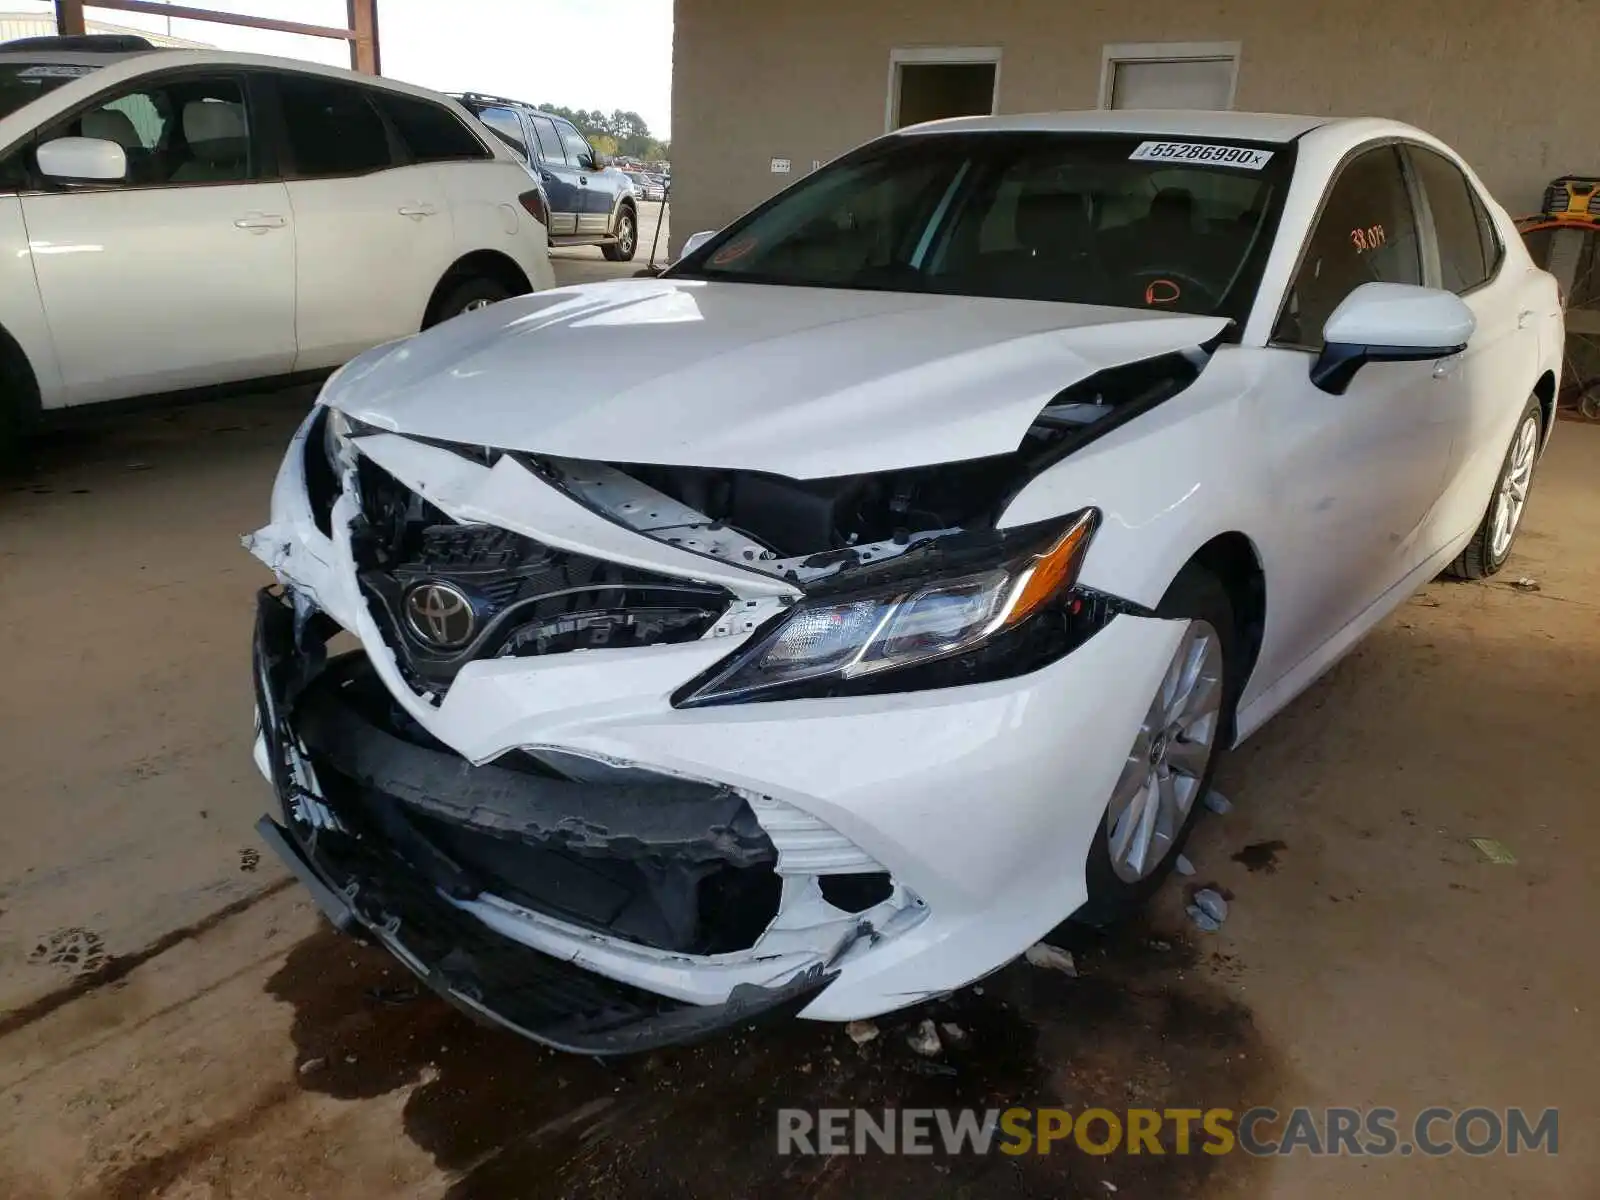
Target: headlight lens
[(336, 431), (904, 625)]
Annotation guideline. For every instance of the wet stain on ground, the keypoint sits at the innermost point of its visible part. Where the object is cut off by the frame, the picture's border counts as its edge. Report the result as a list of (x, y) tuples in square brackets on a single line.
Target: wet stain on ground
[(1143, 1026), (1261, 856)]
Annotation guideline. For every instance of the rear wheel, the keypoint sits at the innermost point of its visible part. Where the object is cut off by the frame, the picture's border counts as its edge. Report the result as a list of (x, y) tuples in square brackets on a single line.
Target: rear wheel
[(1491, 545), (627, 241), (1173, 757), (469, 295)]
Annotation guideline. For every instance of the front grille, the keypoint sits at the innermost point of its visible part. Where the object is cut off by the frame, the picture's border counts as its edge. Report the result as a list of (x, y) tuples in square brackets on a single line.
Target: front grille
[(525, 598)]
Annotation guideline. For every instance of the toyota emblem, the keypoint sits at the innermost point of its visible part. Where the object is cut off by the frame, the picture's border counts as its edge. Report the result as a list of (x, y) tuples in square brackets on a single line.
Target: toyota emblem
[(440, 615)]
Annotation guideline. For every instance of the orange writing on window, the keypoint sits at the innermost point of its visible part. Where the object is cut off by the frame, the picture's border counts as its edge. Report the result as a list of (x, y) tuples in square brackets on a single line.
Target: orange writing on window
[(1369, 238)]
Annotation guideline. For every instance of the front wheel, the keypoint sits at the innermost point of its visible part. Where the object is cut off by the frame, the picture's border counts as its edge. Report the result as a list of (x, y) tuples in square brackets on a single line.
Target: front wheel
[(1173, 757), (1490, 546), (627, 241)]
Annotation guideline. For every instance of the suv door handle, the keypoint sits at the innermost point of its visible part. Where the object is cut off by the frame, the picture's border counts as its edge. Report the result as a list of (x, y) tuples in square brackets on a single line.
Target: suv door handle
[(417, 211), (1445, 367), (258, 222), (1525, 316), (583, 179)]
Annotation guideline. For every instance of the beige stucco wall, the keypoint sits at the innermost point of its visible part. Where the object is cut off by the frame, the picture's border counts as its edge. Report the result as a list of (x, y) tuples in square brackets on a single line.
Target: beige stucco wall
[(807, 79)]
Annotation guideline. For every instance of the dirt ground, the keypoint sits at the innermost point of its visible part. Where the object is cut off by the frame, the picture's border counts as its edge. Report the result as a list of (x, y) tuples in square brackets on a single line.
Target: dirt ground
[(176, 1022)]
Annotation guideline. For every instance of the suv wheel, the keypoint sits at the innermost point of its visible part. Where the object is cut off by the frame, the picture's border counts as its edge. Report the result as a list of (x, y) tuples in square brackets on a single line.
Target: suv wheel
[(627, 241), (467, 296)]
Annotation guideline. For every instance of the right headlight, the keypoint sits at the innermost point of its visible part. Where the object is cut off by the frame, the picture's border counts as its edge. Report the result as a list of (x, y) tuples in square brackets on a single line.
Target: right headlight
[(904, 624)]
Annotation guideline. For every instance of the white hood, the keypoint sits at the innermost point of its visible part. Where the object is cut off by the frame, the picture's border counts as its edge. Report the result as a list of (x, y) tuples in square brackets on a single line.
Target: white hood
[(802, 382)]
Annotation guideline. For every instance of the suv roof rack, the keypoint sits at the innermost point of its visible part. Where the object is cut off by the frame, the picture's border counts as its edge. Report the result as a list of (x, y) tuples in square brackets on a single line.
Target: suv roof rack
[(81, 43), (486, 98)]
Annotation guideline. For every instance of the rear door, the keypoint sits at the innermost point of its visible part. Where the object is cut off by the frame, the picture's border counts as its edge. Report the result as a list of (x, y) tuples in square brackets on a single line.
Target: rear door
[(1501, 360), (373, 227), (182, 274)]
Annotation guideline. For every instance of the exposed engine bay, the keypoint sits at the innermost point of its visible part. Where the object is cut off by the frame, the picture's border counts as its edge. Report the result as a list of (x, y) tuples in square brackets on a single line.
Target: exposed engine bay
[(806, 529)]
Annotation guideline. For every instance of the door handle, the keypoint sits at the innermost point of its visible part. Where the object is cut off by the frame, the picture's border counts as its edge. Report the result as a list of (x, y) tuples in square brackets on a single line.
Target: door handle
[(257, 222), (417, 211), (583, 179), (1524, 317), (1448, 366)]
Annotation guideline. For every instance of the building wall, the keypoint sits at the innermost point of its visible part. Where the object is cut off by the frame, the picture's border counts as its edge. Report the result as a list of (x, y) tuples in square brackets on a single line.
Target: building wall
[(804, 80)]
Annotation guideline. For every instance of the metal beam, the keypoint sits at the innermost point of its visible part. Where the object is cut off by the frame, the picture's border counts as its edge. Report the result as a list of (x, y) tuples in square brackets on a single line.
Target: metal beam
[(363, 20), (205, 14), (69, 16)]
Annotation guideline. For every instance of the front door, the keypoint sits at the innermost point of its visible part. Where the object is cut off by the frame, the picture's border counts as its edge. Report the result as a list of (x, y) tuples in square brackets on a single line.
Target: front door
[(374, 234), (183, 273), (593, 200), (563, 181), (1357, 475)]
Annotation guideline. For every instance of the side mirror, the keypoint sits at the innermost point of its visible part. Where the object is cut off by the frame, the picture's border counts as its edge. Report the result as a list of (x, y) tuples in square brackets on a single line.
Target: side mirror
[(1389, 322), (77, 159), (600, 161), (696, 240)]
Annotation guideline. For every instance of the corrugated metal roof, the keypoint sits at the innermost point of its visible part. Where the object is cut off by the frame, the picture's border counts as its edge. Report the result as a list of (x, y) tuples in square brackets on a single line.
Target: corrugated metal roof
[(15, 25)]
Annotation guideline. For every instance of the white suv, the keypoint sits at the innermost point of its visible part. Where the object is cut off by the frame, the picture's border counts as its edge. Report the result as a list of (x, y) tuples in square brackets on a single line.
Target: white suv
[(183, 219)]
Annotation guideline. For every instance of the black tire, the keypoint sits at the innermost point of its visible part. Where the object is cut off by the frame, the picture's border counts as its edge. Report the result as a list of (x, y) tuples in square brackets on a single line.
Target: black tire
[(1479, 560), (476, 292), (1199, 595), (627, 233), (19, 407)]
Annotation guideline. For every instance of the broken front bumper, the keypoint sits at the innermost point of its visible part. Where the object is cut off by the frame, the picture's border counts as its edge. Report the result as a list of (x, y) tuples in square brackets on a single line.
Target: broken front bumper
[(372, 868), (977, 804)]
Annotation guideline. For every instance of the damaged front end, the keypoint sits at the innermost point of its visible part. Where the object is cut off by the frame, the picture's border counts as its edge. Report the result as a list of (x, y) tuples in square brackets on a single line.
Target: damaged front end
[(496, 843), (401, 841)]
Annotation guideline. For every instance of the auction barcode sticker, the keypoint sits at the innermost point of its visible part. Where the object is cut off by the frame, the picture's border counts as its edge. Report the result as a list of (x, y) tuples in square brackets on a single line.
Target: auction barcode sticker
[(1202, 152)]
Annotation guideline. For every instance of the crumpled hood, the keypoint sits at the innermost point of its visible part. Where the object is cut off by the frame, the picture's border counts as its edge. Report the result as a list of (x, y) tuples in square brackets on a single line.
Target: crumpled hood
[(802, 382)]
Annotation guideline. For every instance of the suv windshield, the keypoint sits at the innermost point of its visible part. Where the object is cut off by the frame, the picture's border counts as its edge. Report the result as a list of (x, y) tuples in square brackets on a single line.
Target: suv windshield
[(1181, 225), (24, 82)]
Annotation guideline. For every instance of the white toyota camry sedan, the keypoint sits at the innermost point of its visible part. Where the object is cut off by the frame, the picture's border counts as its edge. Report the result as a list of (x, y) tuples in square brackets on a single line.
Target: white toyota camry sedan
[(813, 627)]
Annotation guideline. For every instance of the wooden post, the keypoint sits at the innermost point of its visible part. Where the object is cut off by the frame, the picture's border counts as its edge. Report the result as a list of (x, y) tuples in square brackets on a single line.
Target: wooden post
[(363, 23), (69, 16)]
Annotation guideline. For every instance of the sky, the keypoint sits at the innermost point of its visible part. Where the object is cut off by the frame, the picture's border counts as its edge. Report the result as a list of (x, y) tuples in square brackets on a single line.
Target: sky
[(604, 54)]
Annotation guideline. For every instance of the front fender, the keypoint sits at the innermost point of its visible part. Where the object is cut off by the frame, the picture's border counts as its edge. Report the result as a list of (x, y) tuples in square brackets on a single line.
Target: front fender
[(1166, 483)]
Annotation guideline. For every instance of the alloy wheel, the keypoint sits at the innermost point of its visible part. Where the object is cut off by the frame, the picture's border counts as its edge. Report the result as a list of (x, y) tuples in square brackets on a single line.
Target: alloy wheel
[(1160, 782), (1512, 496), (625, 235)]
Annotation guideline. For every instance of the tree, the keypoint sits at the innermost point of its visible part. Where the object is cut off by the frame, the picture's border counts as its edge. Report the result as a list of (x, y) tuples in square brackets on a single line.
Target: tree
[(620, 131)]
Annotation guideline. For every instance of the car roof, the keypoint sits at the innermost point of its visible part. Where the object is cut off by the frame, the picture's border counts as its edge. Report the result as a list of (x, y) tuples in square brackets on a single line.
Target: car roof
[(69, 58), (1253, 127), (119, 68)]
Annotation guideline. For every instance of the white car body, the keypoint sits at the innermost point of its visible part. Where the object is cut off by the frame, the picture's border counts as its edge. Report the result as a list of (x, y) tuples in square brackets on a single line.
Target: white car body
[(981, 801), (115, 290)]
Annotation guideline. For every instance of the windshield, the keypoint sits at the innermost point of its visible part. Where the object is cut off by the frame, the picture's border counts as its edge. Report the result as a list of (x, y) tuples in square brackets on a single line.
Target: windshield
[(1181, 225), (22, 83)]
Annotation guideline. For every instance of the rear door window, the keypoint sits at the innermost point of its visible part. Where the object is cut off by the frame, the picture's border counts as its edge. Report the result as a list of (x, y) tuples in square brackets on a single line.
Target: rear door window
[(431, 132), (332, 127), (1366, 233), (1463, 264)]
